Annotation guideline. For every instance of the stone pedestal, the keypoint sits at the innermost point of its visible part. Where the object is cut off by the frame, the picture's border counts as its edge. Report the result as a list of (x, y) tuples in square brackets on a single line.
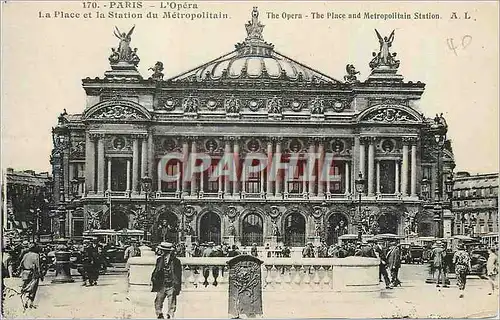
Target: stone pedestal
[(188, 243), (273, 242), (231, 240), (317, 241), (146, 251), (63, 268)]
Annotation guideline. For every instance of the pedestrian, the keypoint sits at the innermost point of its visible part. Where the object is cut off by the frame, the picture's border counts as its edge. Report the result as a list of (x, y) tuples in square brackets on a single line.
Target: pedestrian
[(30, 274), (461, 260), (132, 250), (492, 269), (253, 250), (166, 279), (382, 268), (394, 263), (437, 257), (90, 262)]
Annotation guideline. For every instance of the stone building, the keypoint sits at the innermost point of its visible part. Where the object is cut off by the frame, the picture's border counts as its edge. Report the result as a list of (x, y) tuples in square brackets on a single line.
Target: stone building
[(253, 103), (28, 203), (475, 204)]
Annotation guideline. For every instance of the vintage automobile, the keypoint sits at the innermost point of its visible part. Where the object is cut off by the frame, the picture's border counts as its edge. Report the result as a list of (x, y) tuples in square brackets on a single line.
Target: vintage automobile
[(411, 253)]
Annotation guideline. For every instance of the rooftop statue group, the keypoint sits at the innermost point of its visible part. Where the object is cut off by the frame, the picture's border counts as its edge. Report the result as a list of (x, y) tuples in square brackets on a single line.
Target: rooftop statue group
[(124, 53), (384, 58)]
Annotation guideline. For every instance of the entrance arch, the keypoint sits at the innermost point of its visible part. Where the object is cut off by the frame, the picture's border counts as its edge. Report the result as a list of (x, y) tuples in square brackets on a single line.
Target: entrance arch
[(168, 227), (252, 230), (388, 223), (335, 227), (295, 230), (210, 228)]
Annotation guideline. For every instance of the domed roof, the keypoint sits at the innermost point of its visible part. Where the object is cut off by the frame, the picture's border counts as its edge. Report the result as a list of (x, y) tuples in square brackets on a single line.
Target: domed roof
[(254, 59)]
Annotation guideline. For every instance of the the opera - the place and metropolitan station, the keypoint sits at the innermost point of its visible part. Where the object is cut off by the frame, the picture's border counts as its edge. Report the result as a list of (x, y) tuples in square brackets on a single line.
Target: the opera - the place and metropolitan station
[(373, 162)]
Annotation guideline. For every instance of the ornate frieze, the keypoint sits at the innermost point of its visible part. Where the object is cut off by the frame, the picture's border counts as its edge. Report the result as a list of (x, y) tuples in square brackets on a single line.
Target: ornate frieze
[(389, 114), (274, 105), (232, 105), (190, 104), (118, 112)]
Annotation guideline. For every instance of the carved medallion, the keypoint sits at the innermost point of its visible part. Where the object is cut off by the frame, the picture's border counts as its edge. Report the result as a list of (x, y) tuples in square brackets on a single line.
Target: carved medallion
[(338, 145), (253, 145), (169, 104), (211, 145), (211, 104), (232, 212), (295, 145), (387, 145), (254, 104), (296, 105), (118, 143), (189, 211), (274, 212), (317, 212), (169, 144)]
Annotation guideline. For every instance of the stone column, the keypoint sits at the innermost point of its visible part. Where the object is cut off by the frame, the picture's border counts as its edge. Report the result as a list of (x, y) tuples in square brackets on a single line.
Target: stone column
[(347, 178), (371, 163), (328, 193), (243, 179), (413, 181), (378, 177), (144, 157), (227, 152), (236, 155), (128, 175), (135, 164), (185, 159), (178, 182), (100, 164), (269, 186), (158, 175), (151, 152), (362, 160), (404, 169), (321, 178), (262, 182), (278, 177), (304, 179), (310, 168), (396, 164), (194, 181), (109, 174)]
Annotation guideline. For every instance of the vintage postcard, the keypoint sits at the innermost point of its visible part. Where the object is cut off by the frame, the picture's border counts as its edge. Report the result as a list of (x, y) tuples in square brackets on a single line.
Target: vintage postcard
[(220, 159)]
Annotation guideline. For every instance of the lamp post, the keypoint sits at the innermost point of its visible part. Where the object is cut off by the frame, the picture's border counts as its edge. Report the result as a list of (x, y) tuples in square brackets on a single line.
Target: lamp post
[(360, 187), (146, 187)]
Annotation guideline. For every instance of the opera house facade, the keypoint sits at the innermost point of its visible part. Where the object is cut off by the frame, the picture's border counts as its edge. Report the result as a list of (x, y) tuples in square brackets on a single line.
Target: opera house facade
[(310, 157)]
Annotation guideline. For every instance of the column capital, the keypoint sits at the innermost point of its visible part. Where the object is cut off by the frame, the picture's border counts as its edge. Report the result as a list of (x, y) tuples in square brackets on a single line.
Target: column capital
[(95, 136), (367, 140), (277, 139), (410, 140), (138, 136)]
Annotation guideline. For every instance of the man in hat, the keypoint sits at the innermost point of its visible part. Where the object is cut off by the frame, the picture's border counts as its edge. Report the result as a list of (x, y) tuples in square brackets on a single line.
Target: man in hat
[(381, 253), (394, 262), (437, 259), (90, 263), (166, 279), (132, 250)]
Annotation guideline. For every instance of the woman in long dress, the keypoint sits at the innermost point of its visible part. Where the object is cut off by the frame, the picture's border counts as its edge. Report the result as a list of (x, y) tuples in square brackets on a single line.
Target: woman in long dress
[(461, 260), (492, 269), (30, 274)]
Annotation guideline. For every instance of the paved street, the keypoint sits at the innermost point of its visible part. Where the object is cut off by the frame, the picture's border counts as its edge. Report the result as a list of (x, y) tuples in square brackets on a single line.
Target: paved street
[(413, 299)]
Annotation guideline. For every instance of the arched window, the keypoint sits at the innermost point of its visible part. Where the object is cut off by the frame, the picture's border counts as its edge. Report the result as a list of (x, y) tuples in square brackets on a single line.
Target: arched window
[(210, 228), (336, 226), (252, 230), (388, 223), (295, 230), (168, 227)]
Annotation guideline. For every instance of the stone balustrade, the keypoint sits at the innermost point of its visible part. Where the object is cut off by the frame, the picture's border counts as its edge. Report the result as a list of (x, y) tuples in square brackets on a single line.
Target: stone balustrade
[(351, 274)]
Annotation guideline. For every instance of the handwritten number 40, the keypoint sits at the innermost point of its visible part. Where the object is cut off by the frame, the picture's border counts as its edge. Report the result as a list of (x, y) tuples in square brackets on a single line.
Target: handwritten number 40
[(466, 41)]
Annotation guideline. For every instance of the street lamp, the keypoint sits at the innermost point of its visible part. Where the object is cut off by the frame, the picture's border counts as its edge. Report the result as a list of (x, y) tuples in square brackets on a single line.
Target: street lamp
[(146, 187), (360, 188)]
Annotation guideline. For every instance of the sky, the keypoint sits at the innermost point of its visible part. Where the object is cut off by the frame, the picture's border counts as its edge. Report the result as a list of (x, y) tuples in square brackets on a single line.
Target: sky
[(44, 60)]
